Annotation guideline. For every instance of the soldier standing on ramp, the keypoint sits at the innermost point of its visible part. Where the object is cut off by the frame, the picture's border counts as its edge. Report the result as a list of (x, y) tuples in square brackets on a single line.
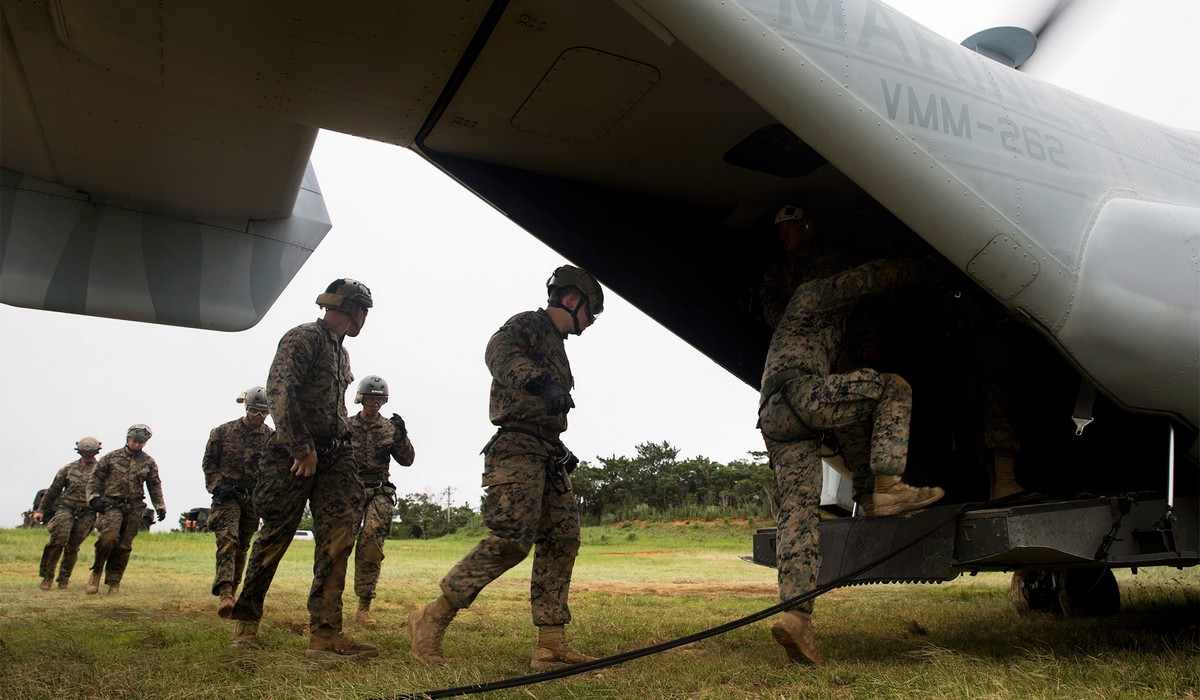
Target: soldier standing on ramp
[(230, 473), (802, 399), (529, 503), (72, 518), (309, 459), (376, 442), (116, 493)]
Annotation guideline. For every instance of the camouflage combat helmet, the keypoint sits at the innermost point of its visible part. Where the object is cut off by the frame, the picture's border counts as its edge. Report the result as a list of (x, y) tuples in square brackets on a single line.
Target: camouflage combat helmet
[(577, 277), (140, 432), (788, 212), (341, 292), (87, 444), (255, 399), (372, 386)]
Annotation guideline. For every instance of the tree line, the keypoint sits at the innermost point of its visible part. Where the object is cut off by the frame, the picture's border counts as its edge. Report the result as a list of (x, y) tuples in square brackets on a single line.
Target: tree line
[(652, 485)]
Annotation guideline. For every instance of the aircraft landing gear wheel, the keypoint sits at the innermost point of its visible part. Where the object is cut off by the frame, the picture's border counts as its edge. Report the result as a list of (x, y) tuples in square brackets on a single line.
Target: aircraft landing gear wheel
[(1033, 592), (1088, 593)]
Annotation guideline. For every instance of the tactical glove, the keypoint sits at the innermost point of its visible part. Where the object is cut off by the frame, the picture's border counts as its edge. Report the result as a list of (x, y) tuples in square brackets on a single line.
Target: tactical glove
[(568, 461), (555, 396), (223, 491), (97, 503), (162, 514), (401, 429)]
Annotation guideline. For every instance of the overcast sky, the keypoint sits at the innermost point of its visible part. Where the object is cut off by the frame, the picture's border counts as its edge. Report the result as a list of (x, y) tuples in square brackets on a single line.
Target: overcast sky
[(446, 270)]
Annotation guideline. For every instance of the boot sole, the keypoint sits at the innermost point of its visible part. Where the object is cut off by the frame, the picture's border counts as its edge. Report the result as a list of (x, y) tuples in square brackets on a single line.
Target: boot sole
[(245, 645), (225, 612), (357, 656), (906, 508), (794, 652)]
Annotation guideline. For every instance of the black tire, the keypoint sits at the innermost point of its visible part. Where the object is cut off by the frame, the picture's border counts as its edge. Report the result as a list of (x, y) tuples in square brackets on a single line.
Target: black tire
[(1088, 593), (1034, 591)]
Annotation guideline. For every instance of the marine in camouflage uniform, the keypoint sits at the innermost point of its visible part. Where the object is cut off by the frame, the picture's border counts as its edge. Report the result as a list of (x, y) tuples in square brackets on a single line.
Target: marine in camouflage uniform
[(806, 257), (801, 399), (309, 460), (71, 518), (376, 442), (116, 490), (528, 503), (230, 473)]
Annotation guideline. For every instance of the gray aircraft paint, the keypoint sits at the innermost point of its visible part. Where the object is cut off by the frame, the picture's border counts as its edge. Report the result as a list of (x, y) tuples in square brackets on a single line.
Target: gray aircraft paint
[(62, 251), (1012, 179)]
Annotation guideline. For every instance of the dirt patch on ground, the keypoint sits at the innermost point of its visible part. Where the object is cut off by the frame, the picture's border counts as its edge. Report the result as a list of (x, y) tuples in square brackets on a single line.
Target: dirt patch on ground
[(747, 589)]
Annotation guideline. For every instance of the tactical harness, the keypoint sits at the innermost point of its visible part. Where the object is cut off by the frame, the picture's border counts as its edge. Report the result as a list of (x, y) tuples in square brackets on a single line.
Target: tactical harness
[(773, 385), (559, 461)]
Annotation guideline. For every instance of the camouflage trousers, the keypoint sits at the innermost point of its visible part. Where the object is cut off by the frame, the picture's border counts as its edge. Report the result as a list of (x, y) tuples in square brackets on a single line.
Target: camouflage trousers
[(376, 526), (871, 411), (844, 402), (524, 508), (117, 527), (234, 521), (797, 468), (335, 496), (67, 532)]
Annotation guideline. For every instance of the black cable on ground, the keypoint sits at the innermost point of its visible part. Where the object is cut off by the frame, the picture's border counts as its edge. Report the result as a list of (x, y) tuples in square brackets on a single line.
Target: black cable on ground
[(689, 639)]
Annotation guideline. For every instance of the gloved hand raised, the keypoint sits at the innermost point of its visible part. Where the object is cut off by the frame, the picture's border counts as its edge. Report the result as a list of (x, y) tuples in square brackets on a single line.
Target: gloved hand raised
[(555, 396), (162, 514), (401, 429), (568, 461)]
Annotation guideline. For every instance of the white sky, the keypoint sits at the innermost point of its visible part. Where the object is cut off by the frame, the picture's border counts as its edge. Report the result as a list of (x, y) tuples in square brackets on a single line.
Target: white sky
[(419, 240)]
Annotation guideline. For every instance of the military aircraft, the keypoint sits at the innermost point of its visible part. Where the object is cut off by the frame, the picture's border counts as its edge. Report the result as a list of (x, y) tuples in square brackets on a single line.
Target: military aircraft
[(155, 168)]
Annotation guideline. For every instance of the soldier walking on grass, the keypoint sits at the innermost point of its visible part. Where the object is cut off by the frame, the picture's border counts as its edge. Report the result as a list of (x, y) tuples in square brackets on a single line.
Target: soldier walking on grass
[(116, 491), (309, 460), (71, 518), (802, 400), (529, 502), (376, 442), (230, 474)]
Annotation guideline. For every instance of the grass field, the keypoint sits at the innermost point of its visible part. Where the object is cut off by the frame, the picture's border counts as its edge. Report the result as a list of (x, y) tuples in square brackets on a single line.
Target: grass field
[(635, 585)]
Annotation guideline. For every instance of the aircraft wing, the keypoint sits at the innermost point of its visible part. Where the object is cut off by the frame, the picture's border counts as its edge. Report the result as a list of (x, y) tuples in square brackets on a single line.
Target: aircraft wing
[(648, 140)]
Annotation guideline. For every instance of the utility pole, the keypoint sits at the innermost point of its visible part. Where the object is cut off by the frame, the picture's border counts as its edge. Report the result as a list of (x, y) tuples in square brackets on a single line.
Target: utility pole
[(449, 492)]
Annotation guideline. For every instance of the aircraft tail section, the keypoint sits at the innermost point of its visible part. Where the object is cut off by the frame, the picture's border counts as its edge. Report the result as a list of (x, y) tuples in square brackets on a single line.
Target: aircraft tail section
[(61, 250)]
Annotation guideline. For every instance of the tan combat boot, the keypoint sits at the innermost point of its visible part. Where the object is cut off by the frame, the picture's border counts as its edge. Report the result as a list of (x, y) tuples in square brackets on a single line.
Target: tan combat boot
[(245, 635), (93, 586), (794, 632), (1004, 475), (62, 586), (225, 605), (363, 616), (427, 626), (893, 497), (329, 643), (45, 584), (114, 588), (553, 652)]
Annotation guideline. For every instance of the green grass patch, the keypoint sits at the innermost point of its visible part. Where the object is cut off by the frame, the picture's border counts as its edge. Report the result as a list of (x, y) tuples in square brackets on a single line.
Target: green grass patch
[(635, 584)]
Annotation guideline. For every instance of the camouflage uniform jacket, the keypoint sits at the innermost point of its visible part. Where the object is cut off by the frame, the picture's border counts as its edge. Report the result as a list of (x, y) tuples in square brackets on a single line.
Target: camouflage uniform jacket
[(375, 444), (120, 474), (810, 333), (72, 482), (306, 388), (228, 454), (781, 278), (524, 348)]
